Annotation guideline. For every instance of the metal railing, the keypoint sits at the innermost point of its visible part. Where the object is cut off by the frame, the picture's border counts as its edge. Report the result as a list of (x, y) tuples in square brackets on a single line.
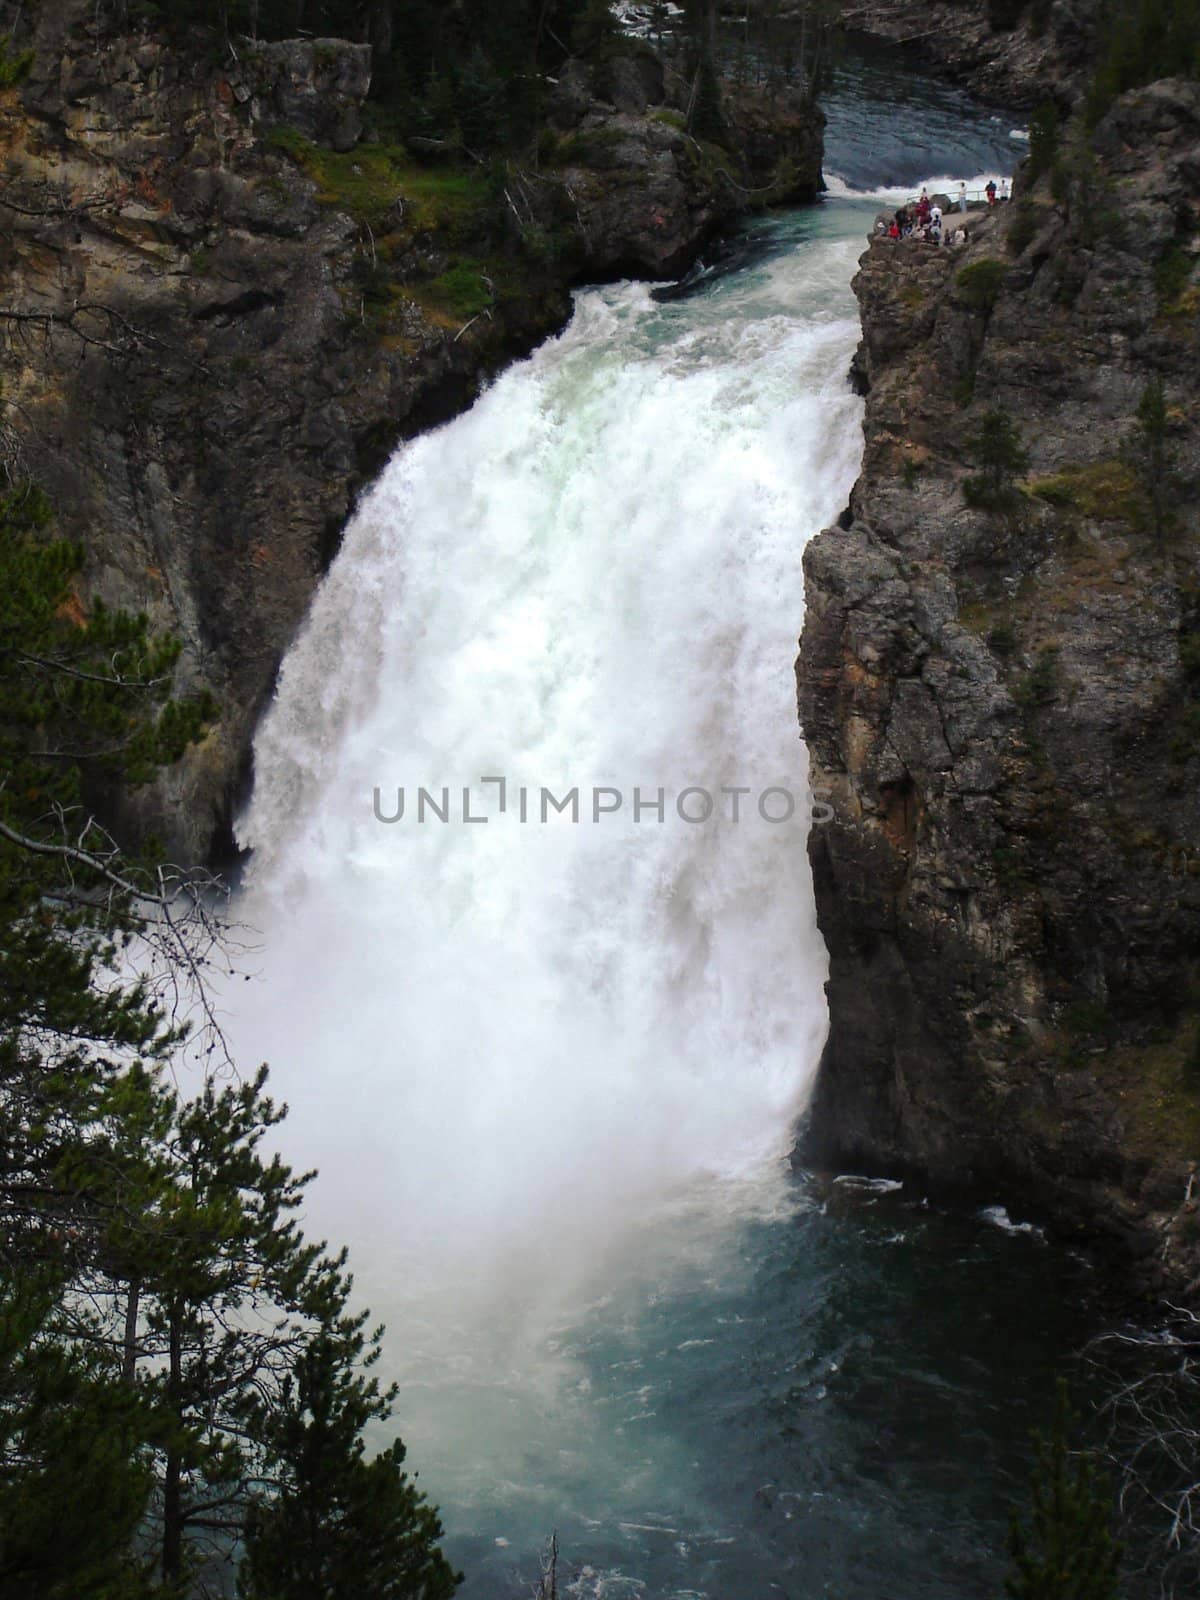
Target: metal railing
[(974, 197)]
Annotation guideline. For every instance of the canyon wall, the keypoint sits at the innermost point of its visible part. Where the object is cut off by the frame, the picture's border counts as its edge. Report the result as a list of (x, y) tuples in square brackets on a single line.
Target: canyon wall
[(224, 301), (1015, 53), (999, 681)]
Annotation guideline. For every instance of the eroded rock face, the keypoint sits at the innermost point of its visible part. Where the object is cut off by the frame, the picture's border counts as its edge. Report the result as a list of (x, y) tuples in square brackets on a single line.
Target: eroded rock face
[(316, 86), (1044, 55), (645, 191), (1005, 703), (225, 308)]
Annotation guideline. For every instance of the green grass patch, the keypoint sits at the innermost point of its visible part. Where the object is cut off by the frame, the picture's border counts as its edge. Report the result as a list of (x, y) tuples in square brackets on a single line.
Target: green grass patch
[(1158, 1089), (458, 294), (1105, 490), (367, 181), (14, 65)]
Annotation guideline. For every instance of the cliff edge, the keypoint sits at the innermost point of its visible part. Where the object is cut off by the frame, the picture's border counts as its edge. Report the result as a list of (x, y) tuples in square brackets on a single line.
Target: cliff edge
[(999, 681)]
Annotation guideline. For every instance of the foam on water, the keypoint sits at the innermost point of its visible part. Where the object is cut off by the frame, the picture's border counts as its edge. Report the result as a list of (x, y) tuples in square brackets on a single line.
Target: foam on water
[(899, 194)]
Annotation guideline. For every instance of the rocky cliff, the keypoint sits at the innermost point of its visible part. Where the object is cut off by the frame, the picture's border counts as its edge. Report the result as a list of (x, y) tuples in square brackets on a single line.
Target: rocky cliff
[(1016, 53), (1000, 683), (224, 303)]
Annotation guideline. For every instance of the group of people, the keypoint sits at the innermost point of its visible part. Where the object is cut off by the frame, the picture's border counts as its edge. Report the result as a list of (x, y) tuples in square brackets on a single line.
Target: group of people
[(924, 220)]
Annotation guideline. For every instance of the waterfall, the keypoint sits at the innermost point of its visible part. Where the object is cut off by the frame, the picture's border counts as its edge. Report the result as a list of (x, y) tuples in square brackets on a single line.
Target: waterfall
[(526, 1055)]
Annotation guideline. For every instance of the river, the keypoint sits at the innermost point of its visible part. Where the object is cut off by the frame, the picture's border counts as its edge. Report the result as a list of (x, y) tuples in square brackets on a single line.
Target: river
[(550, 1068)]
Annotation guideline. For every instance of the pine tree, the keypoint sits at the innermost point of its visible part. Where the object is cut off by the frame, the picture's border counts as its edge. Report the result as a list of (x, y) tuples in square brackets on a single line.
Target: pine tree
[(998, 451), (85, 707), (1068, 1551), (219, 1289), (1043, 139), (707, 120), (73, 1489), (156, 1290), (338, 1526)]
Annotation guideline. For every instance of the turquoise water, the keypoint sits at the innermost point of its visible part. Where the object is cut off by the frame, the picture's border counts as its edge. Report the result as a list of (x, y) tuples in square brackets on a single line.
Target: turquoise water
[(834, 1403)]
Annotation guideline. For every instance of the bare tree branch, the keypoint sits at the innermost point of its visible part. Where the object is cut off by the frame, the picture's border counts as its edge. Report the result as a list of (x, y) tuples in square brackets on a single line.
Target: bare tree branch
[(1152, 1421)]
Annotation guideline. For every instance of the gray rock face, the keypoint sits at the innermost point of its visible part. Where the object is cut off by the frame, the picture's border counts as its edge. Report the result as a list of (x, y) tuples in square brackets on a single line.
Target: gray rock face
[(316, 86), (1005, 703), (232, 309), (1045, 55)]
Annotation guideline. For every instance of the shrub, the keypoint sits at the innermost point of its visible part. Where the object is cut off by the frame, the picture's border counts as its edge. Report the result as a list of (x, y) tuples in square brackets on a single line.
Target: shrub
[(1002, 641), (1191, 1065), (963, 391), (1024, 227), (1040, 685), (979, 284), (1086, 195), (1172, 273)]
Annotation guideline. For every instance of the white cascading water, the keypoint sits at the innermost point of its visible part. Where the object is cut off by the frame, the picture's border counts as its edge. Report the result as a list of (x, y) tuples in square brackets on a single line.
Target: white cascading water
[(515, 1051)]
